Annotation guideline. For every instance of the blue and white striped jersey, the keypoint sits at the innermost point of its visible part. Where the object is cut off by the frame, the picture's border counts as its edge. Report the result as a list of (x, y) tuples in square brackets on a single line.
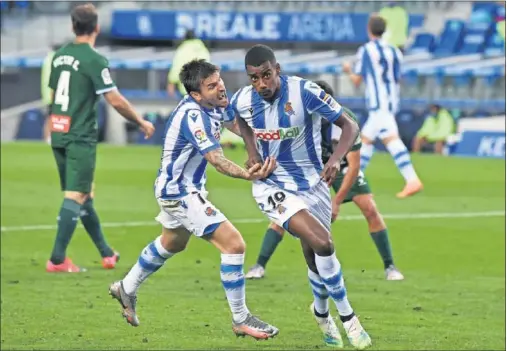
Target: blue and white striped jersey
[(191, 131), (289, 129), (380, 66)]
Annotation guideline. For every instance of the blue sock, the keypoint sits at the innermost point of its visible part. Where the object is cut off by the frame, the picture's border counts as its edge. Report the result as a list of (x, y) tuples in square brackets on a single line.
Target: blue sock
[(366, 154), (151, 259), (330, 271), (401, 157), (233, 281)]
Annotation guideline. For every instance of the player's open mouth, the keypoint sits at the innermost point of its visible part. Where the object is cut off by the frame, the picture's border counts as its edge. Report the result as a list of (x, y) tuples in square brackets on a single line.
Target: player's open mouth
[(222, 96)]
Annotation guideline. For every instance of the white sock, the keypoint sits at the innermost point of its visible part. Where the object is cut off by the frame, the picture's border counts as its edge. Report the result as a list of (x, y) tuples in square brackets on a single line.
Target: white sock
[(320, 294), (233, 281), (401, 157), (366, 154), (330, 271), (151, 259)]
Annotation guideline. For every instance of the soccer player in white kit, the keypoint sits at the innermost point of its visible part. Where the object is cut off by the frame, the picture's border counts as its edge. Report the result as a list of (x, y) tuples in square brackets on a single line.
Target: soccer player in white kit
[(276, 117), (191, 140), (379, 65)]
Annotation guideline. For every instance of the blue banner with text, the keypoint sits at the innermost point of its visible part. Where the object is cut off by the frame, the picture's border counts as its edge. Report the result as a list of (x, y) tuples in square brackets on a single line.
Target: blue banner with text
[(244, 26)]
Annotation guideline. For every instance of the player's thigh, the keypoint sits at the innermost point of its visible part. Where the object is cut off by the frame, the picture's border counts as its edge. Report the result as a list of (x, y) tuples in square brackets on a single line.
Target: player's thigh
[(370, 128), (60, 154), (389, 128), (80, 166), (193, 212), (318, 200), (276, 203), (175, 240)]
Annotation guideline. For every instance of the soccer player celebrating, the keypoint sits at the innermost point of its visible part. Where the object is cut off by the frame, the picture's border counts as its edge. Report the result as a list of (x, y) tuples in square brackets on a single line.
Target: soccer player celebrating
[(281, 116), (191, 141), (350, 185), (379, 65), (79, 76)]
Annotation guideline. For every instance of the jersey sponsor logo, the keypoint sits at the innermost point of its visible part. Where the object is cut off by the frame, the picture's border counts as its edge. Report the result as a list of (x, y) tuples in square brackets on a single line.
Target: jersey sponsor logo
[(60, 124), (288, 109), (106, 76), (277, 134)]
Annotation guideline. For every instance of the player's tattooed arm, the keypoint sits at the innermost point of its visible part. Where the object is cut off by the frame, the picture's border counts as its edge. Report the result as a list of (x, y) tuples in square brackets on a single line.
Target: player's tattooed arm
[(225, 166), (124, 108)]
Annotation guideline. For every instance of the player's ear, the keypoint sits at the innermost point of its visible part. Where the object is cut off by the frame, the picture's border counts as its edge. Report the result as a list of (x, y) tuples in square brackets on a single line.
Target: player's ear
[(278, 68), (196, 96), (97, 28)]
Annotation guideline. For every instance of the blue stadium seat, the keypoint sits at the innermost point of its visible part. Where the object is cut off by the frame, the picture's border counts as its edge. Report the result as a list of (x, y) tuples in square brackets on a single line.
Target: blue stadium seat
[(495, 46), (474, 41), (31, 126), (451, 38), (409, 122), (423, 42), (481, 113), (22, 4)]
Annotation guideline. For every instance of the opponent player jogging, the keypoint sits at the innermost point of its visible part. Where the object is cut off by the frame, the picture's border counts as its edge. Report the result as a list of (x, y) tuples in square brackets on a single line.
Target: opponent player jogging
[(349, 186), (191, 140), (276, 117), (79, 76), (379, 65)]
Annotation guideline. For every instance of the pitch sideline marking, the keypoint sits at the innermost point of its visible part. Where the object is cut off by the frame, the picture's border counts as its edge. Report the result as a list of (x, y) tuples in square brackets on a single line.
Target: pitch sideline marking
[(429, 215)]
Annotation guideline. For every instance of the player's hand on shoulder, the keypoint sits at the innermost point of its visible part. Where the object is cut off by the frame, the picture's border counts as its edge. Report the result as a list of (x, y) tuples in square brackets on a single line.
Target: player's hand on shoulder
[(147, 128), (261, 171), (330, 172)]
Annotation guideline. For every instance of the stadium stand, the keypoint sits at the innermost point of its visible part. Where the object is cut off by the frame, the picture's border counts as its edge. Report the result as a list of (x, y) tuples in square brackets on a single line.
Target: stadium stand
[(454, 57)]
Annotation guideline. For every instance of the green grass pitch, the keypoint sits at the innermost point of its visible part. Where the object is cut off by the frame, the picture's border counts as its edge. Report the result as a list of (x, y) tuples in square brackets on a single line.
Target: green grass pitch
[(452, 255)]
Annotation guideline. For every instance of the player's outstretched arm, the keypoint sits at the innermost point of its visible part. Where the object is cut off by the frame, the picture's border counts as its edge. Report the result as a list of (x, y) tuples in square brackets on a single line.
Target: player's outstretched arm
[(125, 108), (350, 132), (249, 138), (233, 127), (225, 166), (353, 160)]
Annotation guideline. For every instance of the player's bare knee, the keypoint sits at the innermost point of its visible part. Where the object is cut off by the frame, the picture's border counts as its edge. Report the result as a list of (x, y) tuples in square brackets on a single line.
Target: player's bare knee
[(277, 228), (174, 241), (235, 247), (324, 247), (77, 196)]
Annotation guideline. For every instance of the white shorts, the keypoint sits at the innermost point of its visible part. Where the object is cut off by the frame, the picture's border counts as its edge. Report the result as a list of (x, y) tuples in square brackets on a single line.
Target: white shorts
[(380, 124), (280, 205), (194, 212)]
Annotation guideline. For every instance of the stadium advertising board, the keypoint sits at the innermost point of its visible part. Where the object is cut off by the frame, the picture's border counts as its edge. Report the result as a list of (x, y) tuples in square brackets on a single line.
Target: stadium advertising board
[(244, 26)]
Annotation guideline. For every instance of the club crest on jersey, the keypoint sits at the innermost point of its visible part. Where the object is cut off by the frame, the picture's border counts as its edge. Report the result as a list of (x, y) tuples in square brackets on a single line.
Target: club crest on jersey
[(281, 209), (277, 134), (288, 109), (210, 212)]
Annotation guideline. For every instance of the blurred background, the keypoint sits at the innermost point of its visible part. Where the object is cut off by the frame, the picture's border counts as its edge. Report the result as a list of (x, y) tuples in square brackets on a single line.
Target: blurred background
[(454, 59)]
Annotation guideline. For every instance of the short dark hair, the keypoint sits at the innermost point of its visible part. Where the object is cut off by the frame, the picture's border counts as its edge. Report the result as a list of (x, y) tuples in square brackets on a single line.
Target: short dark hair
[(325, 86), (84, 19), (377, 25), (258, 54), (189, 34), (194, 72)]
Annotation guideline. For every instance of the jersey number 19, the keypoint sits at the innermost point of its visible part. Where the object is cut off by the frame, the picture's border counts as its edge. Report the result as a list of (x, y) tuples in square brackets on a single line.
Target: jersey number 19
[(62, 91)]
